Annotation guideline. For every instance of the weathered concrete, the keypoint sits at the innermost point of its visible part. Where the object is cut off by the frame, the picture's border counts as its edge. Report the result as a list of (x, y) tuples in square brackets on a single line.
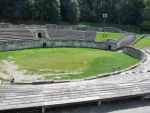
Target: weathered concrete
[(128, 106), (24, 44), (56, 36), (52, 95), (26, 96), (136, 53)]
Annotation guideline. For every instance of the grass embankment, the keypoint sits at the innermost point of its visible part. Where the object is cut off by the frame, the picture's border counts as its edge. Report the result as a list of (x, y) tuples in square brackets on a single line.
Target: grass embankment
[(89, 24), (143, 43), (68, 63), (104, 36)]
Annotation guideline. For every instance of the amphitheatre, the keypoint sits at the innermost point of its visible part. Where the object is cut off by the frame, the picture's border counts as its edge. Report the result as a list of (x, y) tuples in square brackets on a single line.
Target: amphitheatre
[(49, 66)]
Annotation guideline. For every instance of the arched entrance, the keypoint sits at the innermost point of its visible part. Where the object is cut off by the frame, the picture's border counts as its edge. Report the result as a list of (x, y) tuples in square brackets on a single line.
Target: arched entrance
[(39, 35), (109, 47)]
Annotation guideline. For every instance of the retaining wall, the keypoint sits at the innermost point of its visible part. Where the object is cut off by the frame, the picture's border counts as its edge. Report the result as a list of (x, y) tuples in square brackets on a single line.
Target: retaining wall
[(45, 43), (136, 53), (26, 44)]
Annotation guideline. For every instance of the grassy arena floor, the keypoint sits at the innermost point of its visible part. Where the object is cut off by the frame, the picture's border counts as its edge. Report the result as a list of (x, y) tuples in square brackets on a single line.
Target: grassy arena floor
[(68, 63), (104, 36)]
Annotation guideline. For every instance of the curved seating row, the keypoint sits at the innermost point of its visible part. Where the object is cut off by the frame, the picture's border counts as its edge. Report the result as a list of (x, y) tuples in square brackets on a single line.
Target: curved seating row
[(53, 34)]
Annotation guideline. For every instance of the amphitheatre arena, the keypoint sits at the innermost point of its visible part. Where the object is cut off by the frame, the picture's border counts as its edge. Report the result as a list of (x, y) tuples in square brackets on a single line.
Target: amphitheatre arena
[(45, 68)]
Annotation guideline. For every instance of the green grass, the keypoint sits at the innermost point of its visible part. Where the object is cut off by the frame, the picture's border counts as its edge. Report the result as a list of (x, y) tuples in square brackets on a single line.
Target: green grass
[(143, 43), (138, 38), (68, 63), (91, 24), (104, 36)]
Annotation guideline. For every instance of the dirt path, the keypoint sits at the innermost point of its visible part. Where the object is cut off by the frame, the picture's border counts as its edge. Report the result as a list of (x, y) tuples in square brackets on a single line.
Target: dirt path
[(9, 70)]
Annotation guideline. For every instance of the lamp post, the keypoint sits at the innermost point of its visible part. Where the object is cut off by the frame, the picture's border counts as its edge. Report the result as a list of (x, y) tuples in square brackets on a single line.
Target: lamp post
[(104, 16)]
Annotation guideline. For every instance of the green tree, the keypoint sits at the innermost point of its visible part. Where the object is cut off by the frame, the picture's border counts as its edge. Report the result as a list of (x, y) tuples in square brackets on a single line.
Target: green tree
[(131, 11), (87, 9), (12, 10), (119, 11), (92, 10), (46, 10), (70, 10), (147, 10)]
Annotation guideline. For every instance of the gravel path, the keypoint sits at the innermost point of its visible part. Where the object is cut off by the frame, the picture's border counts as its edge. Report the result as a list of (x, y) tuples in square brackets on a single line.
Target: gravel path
[(9, 70)]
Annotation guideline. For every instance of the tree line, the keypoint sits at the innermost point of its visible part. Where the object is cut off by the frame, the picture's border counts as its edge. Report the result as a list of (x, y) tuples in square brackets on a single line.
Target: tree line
[(73, 11)]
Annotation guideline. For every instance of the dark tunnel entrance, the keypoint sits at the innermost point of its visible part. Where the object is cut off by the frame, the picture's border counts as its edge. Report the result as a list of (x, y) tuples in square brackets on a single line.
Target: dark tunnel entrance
[(39, 35), (109, 47)]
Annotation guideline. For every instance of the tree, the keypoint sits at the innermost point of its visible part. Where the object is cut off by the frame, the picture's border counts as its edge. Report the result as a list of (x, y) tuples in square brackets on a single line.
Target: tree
[(87, 9), (13, 11), (92, 10), (147, 10), (131, 11), (119, 11), (46, 10), (70, 10)]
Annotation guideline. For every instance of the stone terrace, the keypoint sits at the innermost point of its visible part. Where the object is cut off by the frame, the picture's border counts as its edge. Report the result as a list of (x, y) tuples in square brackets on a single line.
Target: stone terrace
[(96, 90), (69, 34), (10, 34)]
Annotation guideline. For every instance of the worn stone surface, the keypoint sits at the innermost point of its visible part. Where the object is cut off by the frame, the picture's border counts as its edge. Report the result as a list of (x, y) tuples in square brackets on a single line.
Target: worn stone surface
[(131, 83), (25, 96)]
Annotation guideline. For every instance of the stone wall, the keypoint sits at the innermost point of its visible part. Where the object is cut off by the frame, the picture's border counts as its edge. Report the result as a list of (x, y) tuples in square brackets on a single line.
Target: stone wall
[(45, 43), (136, 53), (69, 34), (21, 44), (128, 40), (60, 33), (84, 28), (71, 27)]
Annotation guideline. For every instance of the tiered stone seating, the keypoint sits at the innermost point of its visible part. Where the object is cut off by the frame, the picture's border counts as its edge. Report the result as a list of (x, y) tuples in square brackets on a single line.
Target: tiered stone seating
[(15, 34), (54, 33), (69, 34)]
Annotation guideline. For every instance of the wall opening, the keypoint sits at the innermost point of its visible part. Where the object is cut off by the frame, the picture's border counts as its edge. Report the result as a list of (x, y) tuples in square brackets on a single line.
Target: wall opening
[(39, 35), (109, 47), (44, 45)]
